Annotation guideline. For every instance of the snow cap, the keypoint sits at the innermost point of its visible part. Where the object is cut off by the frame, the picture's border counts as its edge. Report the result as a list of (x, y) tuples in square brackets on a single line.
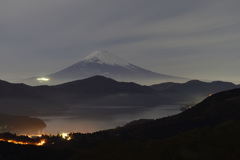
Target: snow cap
[(105, 57)]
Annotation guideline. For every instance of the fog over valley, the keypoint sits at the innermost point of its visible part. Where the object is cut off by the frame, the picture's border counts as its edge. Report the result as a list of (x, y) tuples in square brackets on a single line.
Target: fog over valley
[(99, 103), (122, 79)]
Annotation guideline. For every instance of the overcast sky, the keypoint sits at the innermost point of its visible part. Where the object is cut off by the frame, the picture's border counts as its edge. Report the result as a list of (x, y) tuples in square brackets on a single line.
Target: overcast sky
[(190, 38)]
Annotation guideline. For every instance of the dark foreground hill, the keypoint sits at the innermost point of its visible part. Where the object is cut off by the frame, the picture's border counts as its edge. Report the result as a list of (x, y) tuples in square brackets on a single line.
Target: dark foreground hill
[(210, 130), (20, 124), (100, 91), (94, 91), (219, 108), (193, 91), (22, 99)]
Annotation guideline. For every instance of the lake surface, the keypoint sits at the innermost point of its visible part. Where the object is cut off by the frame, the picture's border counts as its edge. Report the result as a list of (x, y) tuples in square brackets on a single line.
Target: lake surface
[(91, 119)]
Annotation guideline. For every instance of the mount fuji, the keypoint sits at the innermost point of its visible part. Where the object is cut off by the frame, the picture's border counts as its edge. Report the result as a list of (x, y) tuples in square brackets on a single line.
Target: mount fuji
[(105, 64)]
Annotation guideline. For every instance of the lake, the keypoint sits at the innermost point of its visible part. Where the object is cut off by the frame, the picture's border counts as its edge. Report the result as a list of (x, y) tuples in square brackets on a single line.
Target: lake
[(91, 119)]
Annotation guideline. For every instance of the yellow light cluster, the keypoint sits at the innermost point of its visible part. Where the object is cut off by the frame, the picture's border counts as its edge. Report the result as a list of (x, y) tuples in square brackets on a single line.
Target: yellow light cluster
[(42, 79), (65, 136), (41, 143)]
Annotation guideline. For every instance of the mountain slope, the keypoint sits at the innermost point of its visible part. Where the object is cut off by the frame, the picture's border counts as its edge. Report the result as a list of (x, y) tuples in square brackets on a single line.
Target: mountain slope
[(100, 91), (210, 130), (195, 85), (94, 91), (106, 64), (192, 91), (22, 99), (20, 124), (103, 85), (217, 109), (105, 57)]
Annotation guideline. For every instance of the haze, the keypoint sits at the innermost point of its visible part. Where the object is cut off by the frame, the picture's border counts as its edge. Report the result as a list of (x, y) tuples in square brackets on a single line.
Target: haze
[(187, 38)]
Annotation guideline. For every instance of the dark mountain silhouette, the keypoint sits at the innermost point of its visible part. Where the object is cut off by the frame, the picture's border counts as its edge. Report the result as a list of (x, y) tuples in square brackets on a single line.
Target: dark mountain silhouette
[(195, 86), (106, 64), (16, 90), (99, 91), (210, 130), (21, 99), (20, 124), (103, 85), (192, 91), (102, 91), (214, 110)]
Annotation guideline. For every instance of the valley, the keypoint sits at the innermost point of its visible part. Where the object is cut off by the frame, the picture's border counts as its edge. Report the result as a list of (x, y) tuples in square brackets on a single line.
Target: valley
[(99, 103), (210, 126)]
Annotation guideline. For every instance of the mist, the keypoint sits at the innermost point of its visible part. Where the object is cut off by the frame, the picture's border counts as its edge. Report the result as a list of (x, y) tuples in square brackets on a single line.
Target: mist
[(92, 119)]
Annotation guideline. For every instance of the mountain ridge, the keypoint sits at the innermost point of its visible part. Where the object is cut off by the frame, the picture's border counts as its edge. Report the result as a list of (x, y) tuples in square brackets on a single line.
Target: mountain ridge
[(94, 91), (102, 91), (193, 90), (210, 130), (214, 110), (20, 124), (105, 64), (104, 56)]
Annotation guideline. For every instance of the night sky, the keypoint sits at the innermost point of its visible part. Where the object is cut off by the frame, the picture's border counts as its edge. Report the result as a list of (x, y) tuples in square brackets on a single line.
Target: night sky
[(197, 39)]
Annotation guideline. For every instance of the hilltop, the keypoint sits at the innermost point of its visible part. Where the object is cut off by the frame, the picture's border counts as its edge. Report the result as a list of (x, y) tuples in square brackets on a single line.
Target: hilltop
[(104, 63)]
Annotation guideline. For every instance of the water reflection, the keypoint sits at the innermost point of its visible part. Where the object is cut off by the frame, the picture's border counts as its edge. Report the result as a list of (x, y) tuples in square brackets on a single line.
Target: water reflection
[(90, 119)]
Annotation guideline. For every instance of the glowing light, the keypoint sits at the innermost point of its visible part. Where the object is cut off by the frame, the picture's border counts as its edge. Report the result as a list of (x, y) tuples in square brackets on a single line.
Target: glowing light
[(41, 143), (33, 136), (43, 79), (66, 136)]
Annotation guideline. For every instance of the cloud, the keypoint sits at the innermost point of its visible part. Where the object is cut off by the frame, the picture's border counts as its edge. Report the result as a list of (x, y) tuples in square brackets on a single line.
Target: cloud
[(52, 34)]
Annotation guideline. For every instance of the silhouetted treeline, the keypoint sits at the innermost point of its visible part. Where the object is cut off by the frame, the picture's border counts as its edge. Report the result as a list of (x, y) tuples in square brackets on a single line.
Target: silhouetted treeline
[(20, 124), (210, 130)]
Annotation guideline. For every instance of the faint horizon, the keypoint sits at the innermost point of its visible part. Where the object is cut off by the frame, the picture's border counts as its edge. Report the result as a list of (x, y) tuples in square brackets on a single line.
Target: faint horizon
[(188, 38)]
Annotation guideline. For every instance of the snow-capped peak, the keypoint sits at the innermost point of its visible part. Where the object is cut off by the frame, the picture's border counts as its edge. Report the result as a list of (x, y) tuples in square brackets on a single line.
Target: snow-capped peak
[(105, 57)]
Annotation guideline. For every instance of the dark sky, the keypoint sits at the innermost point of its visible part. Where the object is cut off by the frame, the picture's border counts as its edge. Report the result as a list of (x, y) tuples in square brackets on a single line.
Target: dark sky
[(190, 38)]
